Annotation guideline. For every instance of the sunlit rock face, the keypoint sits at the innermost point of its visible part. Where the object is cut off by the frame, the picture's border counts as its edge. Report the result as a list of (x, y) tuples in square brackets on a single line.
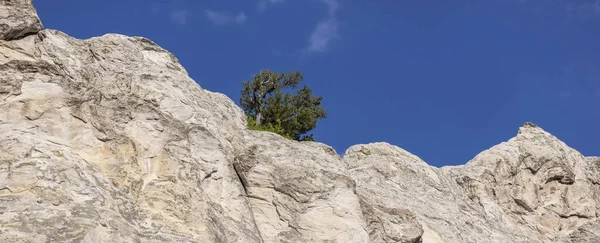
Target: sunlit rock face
[(109, 140)]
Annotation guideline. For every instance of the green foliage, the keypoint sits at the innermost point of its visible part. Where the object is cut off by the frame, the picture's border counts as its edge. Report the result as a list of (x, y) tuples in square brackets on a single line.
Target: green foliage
[(58, 153), (269, 127), (269, 108)]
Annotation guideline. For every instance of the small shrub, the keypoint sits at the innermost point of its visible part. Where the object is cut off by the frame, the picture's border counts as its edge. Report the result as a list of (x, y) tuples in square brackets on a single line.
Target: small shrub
[(58, 153), (276, 128)]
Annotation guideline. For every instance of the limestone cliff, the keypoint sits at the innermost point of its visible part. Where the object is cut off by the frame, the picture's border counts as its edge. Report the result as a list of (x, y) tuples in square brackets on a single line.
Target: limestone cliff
[(109, 140)]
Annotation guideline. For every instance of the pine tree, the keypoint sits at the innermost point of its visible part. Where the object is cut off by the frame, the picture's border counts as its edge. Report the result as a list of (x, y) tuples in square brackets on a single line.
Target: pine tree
[(269, 108)]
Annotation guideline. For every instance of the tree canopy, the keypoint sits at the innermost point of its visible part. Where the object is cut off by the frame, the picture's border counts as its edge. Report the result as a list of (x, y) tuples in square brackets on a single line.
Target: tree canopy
[(270, 106)]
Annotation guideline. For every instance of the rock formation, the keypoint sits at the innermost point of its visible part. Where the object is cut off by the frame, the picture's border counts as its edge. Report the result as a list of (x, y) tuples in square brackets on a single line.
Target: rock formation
[(109, 140), (18, 19)]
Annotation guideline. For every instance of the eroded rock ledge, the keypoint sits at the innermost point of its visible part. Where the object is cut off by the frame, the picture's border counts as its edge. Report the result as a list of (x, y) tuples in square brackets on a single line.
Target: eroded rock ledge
[(109, 140)]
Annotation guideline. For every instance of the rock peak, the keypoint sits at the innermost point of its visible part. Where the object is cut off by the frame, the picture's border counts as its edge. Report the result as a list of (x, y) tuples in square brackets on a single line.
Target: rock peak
[(529, 125), (531, 128), (18, 18)]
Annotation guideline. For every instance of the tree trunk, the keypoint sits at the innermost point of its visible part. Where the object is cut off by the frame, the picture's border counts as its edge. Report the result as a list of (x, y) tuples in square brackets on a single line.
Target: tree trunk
[(262, 94), (259, 117)]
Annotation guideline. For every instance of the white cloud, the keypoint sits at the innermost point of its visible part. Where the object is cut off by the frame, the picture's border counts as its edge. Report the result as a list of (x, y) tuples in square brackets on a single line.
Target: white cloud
[(240, 18), (223, 18), (324, 33), (262, 4), (332, 6), (326, 30), (180, 16)]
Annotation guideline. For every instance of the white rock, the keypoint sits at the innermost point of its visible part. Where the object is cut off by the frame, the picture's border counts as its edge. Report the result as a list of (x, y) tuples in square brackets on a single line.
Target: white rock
[(109, 140), (299, 191)]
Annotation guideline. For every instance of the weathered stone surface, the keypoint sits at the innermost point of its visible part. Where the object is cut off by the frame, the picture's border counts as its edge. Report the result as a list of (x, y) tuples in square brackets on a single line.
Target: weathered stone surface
[(589, 232), (299, 191), (393, 180), (18, 18), (532, 188), (538, 180), (109, 140)]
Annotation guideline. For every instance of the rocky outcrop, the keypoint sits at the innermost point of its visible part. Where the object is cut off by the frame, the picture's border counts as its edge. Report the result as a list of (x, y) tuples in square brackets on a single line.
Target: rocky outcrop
[(109, 140), (532, 188), (538, 179), (589, 232), (18, 18), (299, 192), (435, 207)]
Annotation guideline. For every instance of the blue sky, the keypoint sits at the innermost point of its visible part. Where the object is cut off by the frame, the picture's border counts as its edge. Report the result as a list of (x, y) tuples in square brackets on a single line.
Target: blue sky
[(441, 79)]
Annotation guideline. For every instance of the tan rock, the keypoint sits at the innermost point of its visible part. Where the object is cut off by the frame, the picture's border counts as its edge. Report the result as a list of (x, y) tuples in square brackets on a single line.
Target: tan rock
[(18, 18), (299, 191), (109, 140), (111, 131)]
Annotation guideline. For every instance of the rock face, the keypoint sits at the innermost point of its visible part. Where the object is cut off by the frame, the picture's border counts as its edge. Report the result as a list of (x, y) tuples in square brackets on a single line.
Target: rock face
[(299, 192), (109, 140), (18, 18), (532, 188), (538, 179)]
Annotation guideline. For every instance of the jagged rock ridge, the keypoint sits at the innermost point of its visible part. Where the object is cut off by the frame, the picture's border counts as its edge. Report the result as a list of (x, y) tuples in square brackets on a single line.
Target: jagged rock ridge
[(109, 140)]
